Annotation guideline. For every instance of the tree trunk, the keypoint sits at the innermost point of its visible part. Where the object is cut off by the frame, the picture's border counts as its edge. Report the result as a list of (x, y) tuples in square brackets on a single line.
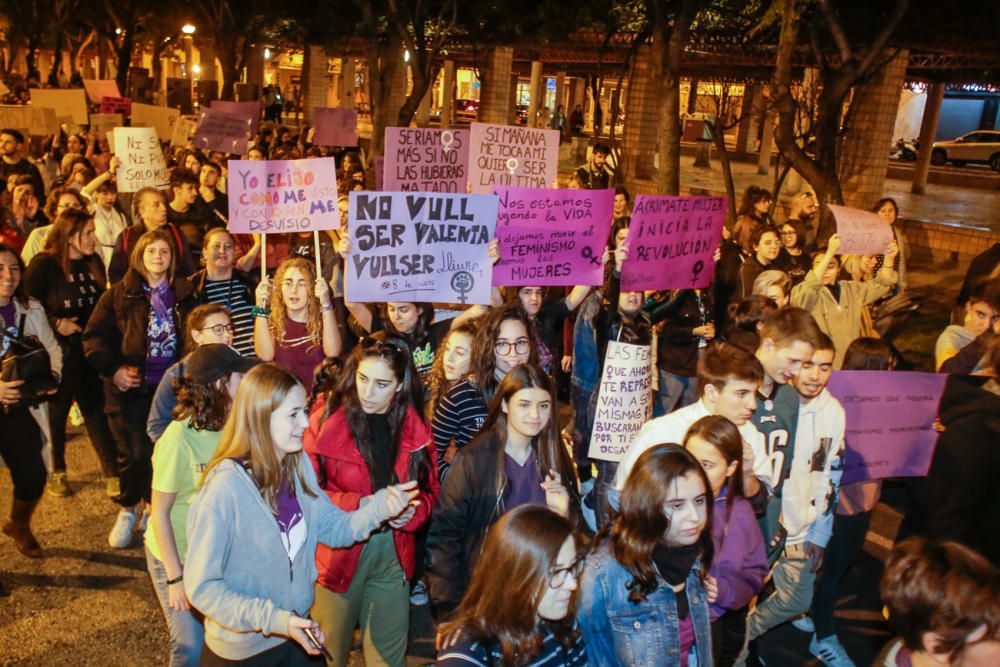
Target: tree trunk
[(668, 46), (124, 62), (383, 64), (719, 139)]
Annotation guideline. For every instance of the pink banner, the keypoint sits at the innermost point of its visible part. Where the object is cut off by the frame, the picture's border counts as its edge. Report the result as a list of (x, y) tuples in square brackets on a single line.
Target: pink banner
[(220, 131), (426, 159), (890, 422), (671, 242), (512, 156), (552, 237), (283, 195), (250, 110), (336, 127), (861, 232)]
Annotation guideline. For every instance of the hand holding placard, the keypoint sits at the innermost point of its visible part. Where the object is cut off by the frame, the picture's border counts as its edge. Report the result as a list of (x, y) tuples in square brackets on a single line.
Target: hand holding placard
[(861, 232)]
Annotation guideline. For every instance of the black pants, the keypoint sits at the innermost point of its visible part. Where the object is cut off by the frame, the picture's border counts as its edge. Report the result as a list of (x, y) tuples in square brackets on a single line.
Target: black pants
[(21, 449), (81, 383), (845, 544), (288, 654), (127, 417), (728, 634)]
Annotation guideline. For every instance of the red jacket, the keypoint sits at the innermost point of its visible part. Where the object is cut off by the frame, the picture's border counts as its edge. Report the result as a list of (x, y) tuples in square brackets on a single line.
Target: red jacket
[(348, 481)]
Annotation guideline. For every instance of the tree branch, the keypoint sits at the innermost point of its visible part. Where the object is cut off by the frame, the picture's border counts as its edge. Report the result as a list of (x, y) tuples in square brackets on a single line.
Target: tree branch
[(836, 30)]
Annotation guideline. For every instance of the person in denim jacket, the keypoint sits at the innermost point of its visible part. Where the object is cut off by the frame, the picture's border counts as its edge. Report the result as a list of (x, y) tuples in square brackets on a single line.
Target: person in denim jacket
[(643, 597)]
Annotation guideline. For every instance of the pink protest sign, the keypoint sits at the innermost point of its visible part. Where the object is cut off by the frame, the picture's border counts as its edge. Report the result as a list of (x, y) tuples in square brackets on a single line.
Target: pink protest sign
[(890, 422), (98, 89), (552, 237), (122, 105), (861, 232), (508, 155), (220, 131), (249, 110), (426, 159), (671, 241), (283, 195), (336, 127)]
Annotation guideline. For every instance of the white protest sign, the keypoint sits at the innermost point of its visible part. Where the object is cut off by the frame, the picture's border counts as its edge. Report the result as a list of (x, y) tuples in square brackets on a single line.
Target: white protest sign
[(861, 232), (143, 165), (624, 400), (513, 156)]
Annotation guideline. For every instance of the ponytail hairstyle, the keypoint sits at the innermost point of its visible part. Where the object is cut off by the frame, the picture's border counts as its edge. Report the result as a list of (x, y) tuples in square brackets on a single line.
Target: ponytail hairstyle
[(196, 320), (395, 353)]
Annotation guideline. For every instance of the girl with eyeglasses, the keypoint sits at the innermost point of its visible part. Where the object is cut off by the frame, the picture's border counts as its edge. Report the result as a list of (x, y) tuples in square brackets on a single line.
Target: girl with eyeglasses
[(221, 282), (67, 277), (793, 258), (643, 597), (518, 459), (530, 624), (367, 431), (208, 323), (505, 341)]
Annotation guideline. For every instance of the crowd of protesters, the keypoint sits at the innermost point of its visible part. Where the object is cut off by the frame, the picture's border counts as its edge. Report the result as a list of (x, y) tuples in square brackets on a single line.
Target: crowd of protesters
[(299, 466)]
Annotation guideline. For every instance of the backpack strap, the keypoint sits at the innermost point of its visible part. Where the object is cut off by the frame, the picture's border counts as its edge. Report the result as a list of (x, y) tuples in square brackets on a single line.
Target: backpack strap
[(20, 325)]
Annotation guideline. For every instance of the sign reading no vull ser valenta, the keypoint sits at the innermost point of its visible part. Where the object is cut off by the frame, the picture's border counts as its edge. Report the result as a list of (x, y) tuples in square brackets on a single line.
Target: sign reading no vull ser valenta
[(420, 246)]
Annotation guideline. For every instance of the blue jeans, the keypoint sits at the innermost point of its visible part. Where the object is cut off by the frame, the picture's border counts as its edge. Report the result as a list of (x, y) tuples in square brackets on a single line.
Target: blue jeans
[(187, 634), (675, 392)]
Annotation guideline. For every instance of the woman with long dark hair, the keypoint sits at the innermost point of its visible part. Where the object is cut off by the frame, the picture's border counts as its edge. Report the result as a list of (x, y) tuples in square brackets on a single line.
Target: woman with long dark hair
[(530, 624), (518, 459), (365, 433), (505, 341), (131, 339), (739, 564), (643, 598), (68, 277), (755, 212)]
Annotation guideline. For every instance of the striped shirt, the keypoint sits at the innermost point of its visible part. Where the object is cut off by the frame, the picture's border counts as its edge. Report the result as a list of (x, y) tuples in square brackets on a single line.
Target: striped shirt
[(232, 294), (467, 653), (458, 416)]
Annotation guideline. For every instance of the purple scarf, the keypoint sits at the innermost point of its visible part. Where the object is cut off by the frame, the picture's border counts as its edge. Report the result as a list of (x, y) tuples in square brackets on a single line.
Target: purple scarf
[(161, 335)]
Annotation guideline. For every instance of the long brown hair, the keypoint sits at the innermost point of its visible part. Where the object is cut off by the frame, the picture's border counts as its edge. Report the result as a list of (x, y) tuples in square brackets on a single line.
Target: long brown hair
[(549, 450), (314, 318), (246, 435), (68, 224), (436, 382), (642, 524), (524, 546), (725, 437), (484, 361)]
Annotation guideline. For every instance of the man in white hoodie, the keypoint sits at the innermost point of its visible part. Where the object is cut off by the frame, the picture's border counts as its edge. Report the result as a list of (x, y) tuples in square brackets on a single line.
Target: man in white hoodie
[(809, 496)]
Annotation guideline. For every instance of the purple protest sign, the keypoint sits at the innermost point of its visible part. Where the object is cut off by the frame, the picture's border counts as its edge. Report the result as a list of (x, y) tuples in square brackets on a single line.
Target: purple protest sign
[(552, 237), (221, 131), (671, 242), (509, 155), (410, 246), (248, 110), (890, 422), (283, 195), (336, 127), (426, 159)]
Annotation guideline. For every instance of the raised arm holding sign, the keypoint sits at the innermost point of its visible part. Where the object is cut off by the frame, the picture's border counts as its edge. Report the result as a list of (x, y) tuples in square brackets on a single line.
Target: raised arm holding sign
[(861, 232)]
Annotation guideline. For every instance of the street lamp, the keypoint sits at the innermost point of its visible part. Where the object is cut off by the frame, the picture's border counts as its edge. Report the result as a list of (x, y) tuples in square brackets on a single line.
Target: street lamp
[(188, 29)]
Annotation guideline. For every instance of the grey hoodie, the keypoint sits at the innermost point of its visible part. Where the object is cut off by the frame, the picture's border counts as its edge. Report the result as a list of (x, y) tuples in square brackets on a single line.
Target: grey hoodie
[(237, 570)]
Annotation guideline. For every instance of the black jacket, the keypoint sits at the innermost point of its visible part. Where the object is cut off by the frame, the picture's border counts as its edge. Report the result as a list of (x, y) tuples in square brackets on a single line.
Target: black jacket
[(116, 333), (126, 241), (466, 509), (677, 348)]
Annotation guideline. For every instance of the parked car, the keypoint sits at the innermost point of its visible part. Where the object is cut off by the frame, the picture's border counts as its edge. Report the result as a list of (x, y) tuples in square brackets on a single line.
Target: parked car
[(982, 146)]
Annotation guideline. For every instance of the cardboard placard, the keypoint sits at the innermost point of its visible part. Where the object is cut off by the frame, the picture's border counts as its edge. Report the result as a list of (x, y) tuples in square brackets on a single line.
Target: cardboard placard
[(98, 89), (510, 155), (106, 122), (160, 118), (143, 165), (624, 400), (552, 237), (68, 103), (283, 195), (424, 159), (336, 127), (671, 242), (861, 232), (184, 129), (250, 110), (409, 246), (36, 120)]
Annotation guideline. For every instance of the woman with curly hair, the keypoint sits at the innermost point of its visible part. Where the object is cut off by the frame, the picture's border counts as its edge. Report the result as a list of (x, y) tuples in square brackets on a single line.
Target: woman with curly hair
[(299, 329), (452, 363), (532, 623), (204, 396)]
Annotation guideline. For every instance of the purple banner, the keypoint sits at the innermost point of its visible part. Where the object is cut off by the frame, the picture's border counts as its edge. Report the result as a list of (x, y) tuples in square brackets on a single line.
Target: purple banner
[(283, 195), (248, 110), (409, 246), (671, 242), (426, 159), (336, 127), (552, 237), (509, 155), (890, 422), (221, 131)]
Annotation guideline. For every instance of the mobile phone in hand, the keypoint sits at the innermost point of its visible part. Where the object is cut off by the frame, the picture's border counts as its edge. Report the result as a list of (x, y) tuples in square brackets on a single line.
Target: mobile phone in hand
[(311, 636)]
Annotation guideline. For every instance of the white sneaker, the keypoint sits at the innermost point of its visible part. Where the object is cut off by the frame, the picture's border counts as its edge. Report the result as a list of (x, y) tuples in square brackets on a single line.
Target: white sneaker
[(830, 652), (120, 536), (804, 623), (418, 594)]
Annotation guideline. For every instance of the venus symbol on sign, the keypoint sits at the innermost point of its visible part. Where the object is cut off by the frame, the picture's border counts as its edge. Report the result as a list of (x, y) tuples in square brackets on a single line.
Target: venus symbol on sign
[(696, 270), (512, 165), (447, 139), (462, 283), (588, 253)]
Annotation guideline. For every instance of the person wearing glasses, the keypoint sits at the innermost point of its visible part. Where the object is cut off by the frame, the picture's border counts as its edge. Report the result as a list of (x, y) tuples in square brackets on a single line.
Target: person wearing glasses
[(504, 342), (518, 459), (221, 282), (366, 432), (207, 324), (531, 624), (793, 258)]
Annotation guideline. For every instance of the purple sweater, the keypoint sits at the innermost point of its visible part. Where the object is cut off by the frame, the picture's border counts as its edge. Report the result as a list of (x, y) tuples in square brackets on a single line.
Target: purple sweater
[(739, 565)]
